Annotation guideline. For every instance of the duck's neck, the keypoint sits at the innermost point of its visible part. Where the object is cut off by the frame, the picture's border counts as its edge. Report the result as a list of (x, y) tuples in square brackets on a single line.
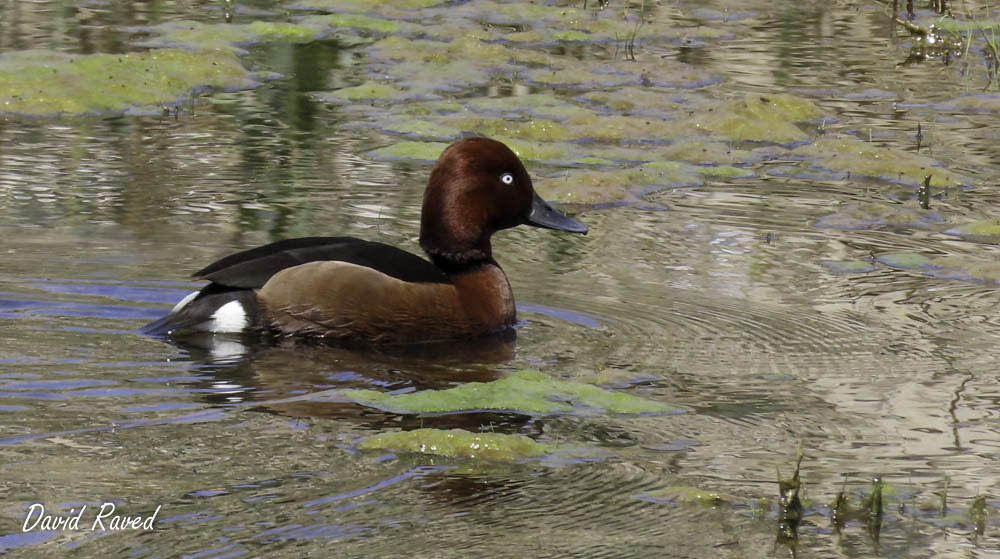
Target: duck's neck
[(459, 260), (465, 264)]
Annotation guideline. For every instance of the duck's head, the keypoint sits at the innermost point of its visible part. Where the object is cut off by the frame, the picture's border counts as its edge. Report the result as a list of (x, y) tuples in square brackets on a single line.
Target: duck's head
[(476, 188)]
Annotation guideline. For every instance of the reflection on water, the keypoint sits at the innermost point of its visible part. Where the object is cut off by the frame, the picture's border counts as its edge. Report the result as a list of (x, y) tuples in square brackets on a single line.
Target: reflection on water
[(721, 304)]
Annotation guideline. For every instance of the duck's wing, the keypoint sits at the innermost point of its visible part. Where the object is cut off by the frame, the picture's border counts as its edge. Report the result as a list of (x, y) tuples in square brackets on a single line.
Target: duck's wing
[(252, 268), (229, 302)]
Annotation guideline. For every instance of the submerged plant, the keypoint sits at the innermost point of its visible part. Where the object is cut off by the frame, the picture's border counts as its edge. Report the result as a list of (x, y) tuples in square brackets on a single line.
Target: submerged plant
[(873, 507), (978, 512), (924, 193), (870, 511), (840, 509), (993, 54), (944, 497), (791, 506)]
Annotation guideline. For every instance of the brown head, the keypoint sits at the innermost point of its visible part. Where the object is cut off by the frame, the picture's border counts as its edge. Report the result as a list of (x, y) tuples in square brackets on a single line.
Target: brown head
[(477, 187)]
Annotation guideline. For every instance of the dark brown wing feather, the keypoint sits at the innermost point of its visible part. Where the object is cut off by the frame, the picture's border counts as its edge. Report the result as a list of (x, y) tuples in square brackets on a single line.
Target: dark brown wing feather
[(252, 268), (235, 277)]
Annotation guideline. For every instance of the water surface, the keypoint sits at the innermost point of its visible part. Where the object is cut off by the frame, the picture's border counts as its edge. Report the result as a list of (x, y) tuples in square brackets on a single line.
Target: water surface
[(718, 298)]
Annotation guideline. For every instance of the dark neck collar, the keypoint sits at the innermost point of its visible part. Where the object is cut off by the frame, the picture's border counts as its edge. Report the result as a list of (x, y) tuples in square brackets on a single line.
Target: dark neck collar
[(454, 264)]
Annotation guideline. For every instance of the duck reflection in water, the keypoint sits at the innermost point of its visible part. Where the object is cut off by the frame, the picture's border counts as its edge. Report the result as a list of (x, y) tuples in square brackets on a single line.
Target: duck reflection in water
[(279, 377), (383, 309)]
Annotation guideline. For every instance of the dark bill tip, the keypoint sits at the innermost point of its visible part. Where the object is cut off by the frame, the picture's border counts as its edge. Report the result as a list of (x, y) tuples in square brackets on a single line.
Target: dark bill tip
[(542, 215)]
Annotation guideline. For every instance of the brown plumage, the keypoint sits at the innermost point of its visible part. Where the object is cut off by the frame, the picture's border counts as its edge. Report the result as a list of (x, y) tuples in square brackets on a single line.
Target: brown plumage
[(342, 300), (348, 289)]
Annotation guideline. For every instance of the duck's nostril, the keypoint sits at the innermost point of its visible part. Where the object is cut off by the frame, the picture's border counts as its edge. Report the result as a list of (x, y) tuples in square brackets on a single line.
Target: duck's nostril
[(543, 215)]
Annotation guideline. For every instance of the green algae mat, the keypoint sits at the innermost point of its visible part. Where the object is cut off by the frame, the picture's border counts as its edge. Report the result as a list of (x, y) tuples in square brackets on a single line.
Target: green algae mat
[(458, 443), (524, 392), (598, 131), (527, 393), (47, 83)]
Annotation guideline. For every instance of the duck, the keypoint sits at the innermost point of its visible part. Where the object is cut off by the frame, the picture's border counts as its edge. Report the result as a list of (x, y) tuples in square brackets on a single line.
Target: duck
[(354, 290)]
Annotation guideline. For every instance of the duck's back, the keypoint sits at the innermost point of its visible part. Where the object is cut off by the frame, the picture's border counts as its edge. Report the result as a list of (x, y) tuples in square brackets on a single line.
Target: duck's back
[(230, 304), (252, 268)]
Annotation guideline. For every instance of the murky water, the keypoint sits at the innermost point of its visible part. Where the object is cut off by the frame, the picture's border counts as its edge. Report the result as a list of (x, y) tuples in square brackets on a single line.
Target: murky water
[(715, 298)]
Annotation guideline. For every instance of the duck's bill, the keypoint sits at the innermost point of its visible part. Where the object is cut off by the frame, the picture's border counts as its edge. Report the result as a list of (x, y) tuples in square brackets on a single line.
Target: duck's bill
[(542, 215)]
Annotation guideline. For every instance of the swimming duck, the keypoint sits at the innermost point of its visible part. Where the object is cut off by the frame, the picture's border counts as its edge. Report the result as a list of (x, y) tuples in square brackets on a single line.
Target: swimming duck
[(350, 289)]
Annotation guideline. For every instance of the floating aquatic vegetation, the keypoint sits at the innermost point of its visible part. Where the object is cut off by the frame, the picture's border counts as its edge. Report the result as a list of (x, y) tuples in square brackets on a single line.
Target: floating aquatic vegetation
[(620, 179), (634, 129), (726, 171), (948, 267), (849, 266), (757, 118), (386, 7), (546, 24), (470, 49), (535, 129), (863, 215), (50, 83), (537, 151), (667, 174), (467, 61), (593, 153), (408, 151), (592, 74), (544, 37), (193, 34), (525, 392), (987, 230), (648, 101), (847, 153), (429, 108), (518, 14), (531, 113), (601, 187), (197, 35), (458, 443), (582, 78), (905, 260), (590, 187), (706, 152), (537, 105), (415, 129), (545, 127), (361, 22), (527, 150), (965, 268), (368, 91)]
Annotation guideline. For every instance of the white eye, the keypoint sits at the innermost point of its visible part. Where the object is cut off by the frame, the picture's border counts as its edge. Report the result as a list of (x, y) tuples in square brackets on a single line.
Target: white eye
[(507, 178)]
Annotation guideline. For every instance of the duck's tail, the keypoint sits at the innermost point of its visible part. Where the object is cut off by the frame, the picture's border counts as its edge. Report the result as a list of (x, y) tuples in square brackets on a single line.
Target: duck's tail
[(216, 309)]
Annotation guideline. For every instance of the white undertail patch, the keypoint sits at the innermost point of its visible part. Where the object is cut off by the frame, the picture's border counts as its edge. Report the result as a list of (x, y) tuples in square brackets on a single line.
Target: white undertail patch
[(231, 317), (227, 351)]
